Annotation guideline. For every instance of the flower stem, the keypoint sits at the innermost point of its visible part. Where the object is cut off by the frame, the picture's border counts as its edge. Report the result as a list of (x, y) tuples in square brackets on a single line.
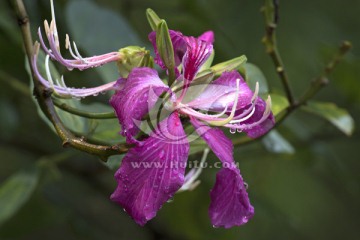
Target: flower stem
[(46, 104), (270, 10), (318, 83)]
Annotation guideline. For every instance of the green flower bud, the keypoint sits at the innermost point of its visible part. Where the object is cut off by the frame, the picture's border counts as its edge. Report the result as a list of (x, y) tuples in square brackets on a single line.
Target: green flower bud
[(132, 57), (164, 45)]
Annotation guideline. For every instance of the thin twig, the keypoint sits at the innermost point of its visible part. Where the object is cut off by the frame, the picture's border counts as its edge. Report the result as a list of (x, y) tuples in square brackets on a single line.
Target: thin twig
[(322, 80), (271, 13)]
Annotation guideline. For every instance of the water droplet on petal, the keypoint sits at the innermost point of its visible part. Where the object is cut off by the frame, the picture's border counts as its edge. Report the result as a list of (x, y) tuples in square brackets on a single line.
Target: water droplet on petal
[(162, 154), (232, 130)]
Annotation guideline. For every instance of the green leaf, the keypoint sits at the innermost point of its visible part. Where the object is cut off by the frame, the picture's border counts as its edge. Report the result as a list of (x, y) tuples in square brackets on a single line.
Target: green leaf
[(113, 162), (279, 103), (252, 75), (10, 119), (16, 190), (98, 30), (229, 65), (104, 130), (339, 117), (276, 143)]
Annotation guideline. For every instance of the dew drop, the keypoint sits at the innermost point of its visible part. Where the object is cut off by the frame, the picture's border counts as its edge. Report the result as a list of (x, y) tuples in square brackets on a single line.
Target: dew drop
[(239, 130), (232, 130), (162, 154)]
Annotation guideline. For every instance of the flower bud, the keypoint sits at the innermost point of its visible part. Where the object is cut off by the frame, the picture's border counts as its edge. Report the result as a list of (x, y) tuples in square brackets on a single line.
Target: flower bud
[(132, 57)]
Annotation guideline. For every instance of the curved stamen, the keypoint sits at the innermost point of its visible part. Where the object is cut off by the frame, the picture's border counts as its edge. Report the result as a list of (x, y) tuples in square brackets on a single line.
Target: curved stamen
[(78, 61), (60, 88), (206, 117), (68, 46), (256, 92), (190, 181), (250, 109), (266, 114), (233, 110), (244, 118)]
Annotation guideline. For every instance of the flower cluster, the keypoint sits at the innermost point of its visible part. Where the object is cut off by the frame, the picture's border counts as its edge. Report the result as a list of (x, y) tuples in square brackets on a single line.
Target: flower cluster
[(198, 96)]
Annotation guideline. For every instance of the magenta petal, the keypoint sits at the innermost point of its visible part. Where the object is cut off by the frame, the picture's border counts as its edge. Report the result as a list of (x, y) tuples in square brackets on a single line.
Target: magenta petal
[(263, 127), (221, 93), (197, 53), (207, 37), (179, 47), (138, 95), (217, 141), (150, 174), (230, 205)]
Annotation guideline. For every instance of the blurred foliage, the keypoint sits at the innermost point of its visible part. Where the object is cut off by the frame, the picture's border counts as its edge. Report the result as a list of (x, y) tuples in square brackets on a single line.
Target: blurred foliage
[(303, 179)]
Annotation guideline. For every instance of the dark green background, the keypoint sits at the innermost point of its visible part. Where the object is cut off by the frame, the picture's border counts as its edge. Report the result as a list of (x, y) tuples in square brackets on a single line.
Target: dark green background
[(311, 194)]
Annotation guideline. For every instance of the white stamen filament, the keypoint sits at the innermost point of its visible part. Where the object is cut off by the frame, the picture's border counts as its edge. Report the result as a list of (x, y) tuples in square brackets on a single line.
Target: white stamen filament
[(48, 74), (244, 118), (206, 117), (60, 88), (256, 92), (233, 110), (262, 119), (68, 46), (194, 173), (78, 54), (54, 51)]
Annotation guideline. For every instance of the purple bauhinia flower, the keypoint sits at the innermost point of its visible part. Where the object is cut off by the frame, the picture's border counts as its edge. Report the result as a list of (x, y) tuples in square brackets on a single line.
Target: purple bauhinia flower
[(153, 170)]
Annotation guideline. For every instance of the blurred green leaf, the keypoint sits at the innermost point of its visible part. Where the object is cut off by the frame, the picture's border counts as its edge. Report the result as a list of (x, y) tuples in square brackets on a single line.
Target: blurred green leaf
[(104, 129), (113, 162), (9, 119), (98, 30), (253, 74), (339, 117), (279, 103), (276, 143), (16, 190)]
